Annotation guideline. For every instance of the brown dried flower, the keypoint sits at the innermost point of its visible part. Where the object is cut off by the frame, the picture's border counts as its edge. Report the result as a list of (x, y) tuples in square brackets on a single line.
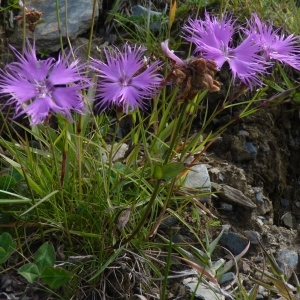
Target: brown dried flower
[(192, 76)]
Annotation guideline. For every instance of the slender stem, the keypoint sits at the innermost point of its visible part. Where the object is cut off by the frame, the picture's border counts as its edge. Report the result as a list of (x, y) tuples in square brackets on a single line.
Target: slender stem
[(91, 32), (178, 129), (59, 25), (144, 217), (79, 157)]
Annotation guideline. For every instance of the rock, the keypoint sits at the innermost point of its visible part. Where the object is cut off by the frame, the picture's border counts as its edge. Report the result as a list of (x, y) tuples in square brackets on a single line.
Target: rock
[(265, 206), (155, 17), (288, 220), (226, 206), (230, 194), (258, 194), (201, 291), (251, 149), (118, 152), (252, 236), (234, 242), (198, 178), (284, 202), (288, 257), (227, 278), (47, 33)]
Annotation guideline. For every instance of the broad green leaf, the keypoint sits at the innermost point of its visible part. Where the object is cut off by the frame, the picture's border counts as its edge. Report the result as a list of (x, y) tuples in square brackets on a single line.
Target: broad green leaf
[(7, 246), (30, 272), (44, 257), (55, 277)]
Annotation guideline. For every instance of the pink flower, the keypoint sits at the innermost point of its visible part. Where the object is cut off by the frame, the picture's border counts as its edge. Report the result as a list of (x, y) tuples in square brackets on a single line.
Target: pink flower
[(124, 80), (38, 87), (213, 40)]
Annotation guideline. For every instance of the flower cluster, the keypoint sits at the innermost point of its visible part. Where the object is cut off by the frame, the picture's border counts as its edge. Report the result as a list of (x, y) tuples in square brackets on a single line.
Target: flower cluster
[(38, 87), (126, 80), (250, 59)]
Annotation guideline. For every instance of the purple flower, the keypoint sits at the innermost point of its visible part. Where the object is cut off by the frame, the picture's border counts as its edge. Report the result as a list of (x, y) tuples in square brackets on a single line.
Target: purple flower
[(170, 53), (213, 40), (39, 87), (274, 46), (126, 80)]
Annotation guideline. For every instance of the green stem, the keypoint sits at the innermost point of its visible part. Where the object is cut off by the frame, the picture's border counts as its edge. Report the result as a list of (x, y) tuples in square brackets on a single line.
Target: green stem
[(144, 217), (176, 135)]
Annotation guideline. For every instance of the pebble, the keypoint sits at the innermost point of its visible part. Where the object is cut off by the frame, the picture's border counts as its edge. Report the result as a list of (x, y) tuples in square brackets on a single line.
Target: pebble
[(227, 278), (251, 149), (288, 220), (284, 202), (258, 194), (252, 236), (234, 242), (226, 206)]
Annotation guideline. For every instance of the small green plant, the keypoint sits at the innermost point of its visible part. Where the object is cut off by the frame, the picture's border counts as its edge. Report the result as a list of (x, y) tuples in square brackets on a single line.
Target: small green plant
[(43, 268)]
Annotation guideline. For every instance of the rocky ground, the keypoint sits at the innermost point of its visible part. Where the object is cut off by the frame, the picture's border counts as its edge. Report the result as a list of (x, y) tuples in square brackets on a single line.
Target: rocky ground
[(255, 168)]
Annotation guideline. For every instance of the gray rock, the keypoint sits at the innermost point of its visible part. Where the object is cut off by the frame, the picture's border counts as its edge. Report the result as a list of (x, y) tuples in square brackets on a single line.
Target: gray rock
[(234, 242), (201, 291), (252, 236), (288, 220), (47, 33), (226, 206), (155, 17), (284, 202), (288, 257), (198, 178), (258, 194), (227, 278), (251, 149), (232, 195)]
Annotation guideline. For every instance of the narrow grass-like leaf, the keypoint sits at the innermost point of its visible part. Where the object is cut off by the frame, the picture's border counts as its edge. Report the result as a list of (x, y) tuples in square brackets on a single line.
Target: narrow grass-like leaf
[(211, 247), (172, 13), (38, 202), (107, 263), (232, 262), (276, 270)]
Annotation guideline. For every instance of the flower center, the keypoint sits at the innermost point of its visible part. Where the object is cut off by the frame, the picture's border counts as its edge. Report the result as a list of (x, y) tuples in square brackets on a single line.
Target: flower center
[(229, 54), (125, 80), (43, 88)]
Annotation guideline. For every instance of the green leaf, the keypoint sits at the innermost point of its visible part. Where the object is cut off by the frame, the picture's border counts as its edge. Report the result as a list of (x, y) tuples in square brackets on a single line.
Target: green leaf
[(44, 257), (30, 272), (211, 247), (157, 172), (171, 170), (55, 277), (7, 246)]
